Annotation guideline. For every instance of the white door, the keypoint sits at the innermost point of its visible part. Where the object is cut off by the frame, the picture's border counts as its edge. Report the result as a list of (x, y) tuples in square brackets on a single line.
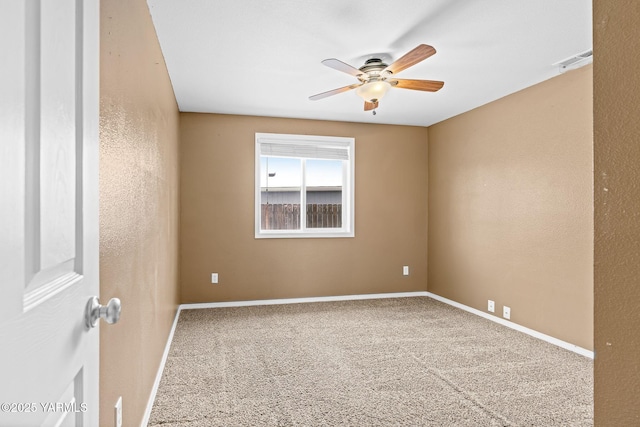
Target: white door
[(49, 83)]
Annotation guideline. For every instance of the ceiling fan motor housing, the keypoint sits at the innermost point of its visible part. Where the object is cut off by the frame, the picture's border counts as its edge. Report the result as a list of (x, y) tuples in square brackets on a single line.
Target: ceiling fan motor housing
[(372, 69)]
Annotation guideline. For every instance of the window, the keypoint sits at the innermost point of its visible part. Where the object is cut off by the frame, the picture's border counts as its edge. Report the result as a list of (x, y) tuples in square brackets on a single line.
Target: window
[(304, 186)]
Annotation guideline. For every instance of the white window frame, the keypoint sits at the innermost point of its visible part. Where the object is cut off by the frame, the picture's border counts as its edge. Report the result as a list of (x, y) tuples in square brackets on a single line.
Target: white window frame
[(348, 189)]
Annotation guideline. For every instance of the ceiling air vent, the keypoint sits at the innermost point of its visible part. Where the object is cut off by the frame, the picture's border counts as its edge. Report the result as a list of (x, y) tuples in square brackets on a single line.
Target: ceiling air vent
[(575, 61)]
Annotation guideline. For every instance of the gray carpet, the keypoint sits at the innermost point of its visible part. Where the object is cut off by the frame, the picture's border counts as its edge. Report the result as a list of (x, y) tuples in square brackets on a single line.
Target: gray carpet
[(387, 362)]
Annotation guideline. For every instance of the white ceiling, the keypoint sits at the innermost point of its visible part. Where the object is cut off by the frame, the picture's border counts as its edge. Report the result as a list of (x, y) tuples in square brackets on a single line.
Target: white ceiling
[(262, 57)]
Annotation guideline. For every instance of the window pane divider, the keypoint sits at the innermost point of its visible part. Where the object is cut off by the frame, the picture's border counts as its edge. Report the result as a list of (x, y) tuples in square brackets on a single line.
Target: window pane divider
[(303, 197)]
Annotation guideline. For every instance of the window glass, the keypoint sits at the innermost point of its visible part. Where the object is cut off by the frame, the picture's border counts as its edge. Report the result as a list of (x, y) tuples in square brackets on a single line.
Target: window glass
[(324, 193), (280, 186)]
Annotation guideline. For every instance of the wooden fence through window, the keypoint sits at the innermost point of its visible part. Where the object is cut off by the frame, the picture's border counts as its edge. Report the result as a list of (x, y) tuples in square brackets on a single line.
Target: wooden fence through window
[(287, 216)]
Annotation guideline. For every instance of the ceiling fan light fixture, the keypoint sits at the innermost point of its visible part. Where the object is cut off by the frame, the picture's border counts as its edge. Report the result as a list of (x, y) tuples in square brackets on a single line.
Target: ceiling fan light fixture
[(373, 91)]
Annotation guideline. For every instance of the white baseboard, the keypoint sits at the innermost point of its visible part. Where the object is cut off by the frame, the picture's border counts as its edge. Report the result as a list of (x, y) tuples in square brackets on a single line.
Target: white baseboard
[(504, 322), (555, 341), (156, 383), (302, 300)]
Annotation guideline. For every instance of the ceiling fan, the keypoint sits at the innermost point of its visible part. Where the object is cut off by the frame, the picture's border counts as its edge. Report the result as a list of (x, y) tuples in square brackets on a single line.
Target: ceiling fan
[(376, 78)]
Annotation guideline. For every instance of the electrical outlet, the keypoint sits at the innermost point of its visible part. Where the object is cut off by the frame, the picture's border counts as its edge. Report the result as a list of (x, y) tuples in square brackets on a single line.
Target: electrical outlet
[(405, 270), (491, 306), (118, 413), (506, 312), (214, 277)]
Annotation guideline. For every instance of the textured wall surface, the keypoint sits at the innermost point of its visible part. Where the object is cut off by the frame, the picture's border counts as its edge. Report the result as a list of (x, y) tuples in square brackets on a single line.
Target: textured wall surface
[(138, 206), (217, 215), (617, 212), (511, 206)]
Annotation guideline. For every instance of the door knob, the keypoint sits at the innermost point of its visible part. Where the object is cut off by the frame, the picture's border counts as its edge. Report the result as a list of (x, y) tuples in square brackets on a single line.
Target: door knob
[(110, 312)]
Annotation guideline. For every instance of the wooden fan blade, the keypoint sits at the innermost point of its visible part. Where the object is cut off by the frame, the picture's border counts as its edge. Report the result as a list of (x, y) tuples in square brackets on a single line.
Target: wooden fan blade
[(425, 85), (418, 54), (336, 64), (368, 106), (334, 92)]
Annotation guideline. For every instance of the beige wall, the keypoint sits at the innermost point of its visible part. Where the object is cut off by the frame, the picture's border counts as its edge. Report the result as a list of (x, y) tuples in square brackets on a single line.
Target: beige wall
[(617, 212), (217, 214), (138, 206), (510, 207)]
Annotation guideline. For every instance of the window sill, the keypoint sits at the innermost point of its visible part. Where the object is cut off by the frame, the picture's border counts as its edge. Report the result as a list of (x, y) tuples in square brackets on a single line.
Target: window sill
[(304, 235)]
